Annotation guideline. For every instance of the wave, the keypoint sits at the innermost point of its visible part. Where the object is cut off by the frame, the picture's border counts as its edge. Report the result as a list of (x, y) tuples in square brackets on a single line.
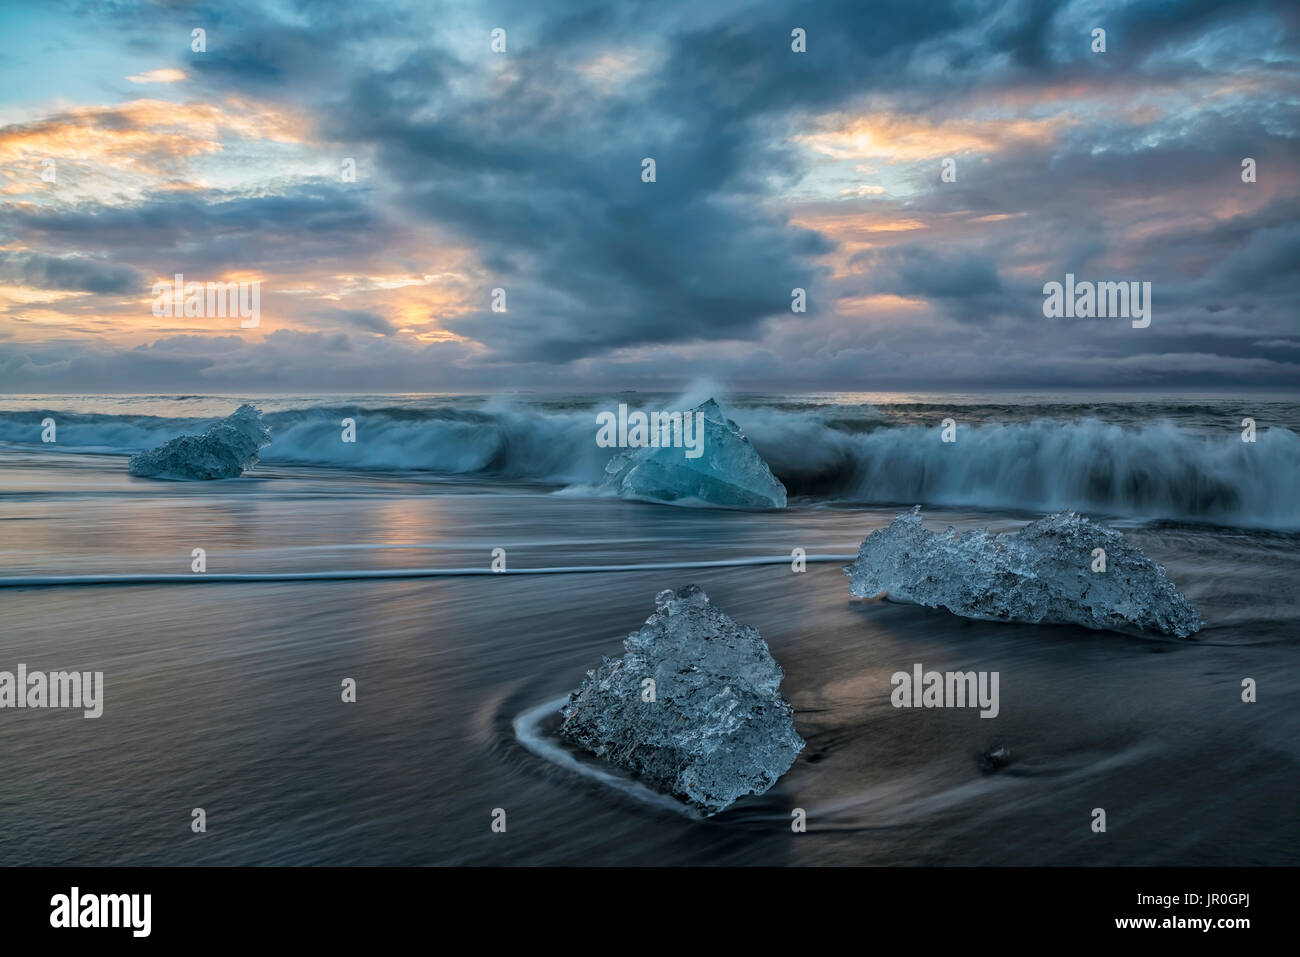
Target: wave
[(503, 441), (1159, 470), (381, 574), (1153, 469)]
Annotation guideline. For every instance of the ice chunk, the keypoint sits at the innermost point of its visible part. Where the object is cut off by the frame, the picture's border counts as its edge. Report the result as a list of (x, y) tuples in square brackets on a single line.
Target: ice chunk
[(729, 472), (995, 758), (223, 450), (1041, 574), (712, 726)]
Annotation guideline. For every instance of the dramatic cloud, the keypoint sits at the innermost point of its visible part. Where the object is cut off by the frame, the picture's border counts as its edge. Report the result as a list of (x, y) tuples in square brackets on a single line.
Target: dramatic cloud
[(78, 275), (921, 172)]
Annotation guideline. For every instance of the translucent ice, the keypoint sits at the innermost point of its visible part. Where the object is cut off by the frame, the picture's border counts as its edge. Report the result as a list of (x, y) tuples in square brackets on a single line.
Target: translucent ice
[(693, 707), (1042, 574), (223, 450), (729, 472)]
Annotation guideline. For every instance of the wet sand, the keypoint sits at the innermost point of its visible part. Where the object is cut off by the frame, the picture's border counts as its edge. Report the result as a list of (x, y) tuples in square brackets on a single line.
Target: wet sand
[(227, 697)]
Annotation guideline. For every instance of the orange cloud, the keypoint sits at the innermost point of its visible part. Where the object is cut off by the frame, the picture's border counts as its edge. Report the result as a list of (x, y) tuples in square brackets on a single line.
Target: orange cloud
[(855, 223), (165, 75), (881, 303), (147, 141), (299, 297), (894, 138)]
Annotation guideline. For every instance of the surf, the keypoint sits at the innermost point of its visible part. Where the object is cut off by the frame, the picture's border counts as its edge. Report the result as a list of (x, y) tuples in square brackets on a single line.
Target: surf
[(1149, 461)]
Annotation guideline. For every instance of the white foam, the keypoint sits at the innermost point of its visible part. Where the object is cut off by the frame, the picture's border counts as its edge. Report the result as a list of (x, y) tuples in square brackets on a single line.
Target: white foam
[(30, 581), (527, 732)]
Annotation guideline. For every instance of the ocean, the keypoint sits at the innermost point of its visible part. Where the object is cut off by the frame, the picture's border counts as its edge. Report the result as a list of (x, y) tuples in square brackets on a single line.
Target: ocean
[(225, 695)]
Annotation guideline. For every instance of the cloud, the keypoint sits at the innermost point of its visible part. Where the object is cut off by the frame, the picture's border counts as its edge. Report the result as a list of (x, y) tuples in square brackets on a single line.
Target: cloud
[(71, 273), (889, 138), (522, 171), (358, 319), (164, 75)]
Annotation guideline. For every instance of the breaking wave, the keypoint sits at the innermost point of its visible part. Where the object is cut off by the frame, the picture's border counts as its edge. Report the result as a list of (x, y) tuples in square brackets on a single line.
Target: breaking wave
[(1155, 471), (1150, 467)]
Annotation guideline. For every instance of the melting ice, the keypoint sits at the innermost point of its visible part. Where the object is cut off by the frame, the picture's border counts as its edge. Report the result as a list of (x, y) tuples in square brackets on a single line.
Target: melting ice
[(693, 707), (223, 450), (1062, 569), (729, 472)]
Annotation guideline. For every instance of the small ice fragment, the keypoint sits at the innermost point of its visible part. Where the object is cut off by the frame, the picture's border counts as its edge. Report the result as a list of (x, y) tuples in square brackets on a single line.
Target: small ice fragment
[(995, 758)]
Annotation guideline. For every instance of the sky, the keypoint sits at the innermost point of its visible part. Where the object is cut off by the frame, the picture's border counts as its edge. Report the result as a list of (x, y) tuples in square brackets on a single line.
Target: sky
[(920, 170)]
